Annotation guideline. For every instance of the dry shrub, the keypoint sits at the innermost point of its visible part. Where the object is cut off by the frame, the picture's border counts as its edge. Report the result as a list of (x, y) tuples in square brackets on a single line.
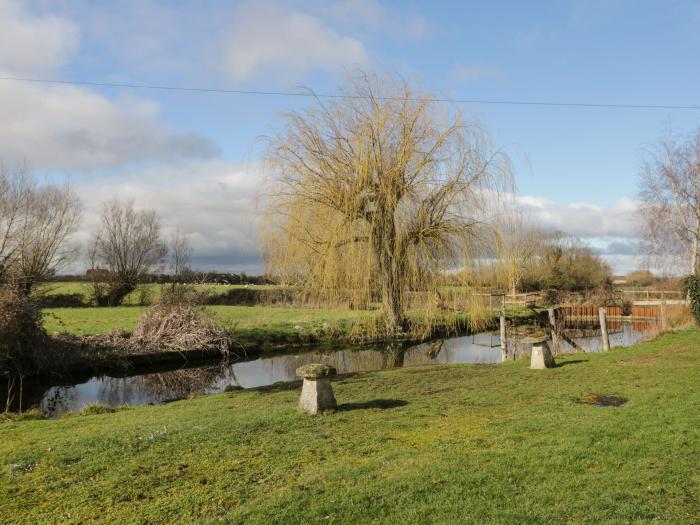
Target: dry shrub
[(680, 318), (21, 332), (178, 323)]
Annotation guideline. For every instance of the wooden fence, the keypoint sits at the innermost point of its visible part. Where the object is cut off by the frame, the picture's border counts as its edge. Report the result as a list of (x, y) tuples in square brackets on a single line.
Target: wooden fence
[(637, 311)]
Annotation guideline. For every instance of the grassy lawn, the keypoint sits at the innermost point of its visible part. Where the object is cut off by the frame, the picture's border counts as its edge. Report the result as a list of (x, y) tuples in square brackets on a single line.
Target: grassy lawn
[(250, 323), (451, 444)]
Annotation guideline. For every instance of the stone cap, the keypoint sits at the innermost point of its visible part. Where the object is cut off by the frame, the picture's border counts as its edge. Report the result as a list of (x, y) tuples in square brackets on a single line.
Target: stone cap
[(536, 339), (316, 371)]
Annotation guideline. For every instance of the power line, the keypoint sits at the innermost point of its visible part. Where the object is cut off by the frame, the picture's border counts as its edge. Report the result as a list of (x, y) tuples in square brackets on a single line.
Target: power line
[(312, 94)]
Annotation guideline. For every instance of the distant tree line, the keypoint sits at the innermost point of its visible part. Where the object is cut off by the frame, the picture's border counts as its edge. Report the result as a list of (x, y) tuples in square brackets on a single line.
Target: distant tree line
[(186, 277), (548, 262)]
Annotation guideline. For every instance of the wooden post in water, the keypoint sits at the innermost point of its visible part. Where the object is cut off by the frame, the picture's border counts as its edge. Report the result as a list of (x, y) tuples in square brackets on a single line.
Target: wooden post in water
[(554, 317), (504, 340), (664, 316), (504, 337), (604, 328)]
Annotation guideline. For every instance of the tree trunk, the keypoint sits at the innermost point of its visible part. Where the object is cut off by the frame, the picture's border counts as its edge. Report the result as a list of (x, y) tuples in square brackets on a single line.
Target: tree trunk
[(118, 293), (384, 245), (24, 287), (392, 295)]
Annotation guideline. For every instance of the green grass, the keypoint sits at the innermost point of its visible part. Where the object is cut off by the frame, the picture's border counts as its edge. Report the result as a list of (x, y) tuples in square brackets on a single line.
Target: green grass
[(450, 444), (248, 322)]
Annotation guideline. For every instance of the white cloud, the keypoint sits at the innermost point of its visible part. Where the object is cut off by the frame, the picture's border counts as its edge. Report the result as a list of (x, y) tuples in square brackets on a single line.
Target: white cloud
[(212, 201), (70, 128), (34, 44), (284, 43), (476, 72), (611, 231), (584, 219)]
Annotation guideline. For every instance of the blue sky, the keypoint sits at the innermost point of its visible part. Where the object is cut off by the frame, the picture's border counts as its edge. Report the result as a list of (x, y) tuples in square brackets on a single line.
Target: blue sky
[(194, 156)]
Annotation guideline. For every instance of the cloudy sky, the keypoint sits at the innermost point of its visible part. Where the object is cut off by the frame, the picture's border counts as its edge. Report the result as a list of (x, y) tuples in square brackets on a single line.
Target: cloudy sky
[(194, 156)]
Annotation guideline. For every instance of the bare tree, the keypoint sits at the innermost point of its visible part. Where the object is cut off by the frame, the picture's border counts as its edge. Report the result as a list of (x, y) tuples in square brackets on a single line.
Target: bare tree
[(518, 241), (35, 224), (14, 187), (670, 195), (53, 214), (380, 189), (180, 253), (127, 247)]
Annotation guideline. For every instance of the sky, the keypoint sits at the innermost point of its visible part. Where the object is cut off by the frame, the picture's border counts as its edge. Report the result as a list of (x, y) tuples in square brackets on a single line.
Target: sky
[(195, 156)]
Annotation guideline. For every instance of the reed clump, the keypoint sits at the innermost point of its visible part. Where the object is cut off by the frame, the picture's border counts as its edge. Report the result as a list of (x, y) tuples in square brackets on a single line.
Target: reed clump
[(178, 322)]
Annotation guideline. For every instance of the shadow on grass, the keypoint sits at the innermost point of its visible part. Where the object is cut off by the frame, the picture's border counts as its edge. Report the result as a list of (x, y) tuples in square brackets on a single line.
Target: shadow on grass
[(375, 403), (281, 386), (573, 362)]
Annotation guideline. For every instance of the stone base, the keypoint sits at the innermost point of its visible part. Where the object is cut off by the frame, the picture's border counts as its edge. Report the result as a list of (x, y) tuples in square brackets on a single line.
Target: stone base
[(541, 356), (317, 396)]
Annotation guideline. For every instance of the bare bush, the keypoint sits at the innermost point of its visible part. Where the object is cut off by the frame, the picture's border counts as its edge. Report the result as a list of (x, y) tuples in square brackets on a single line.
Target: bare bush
[(20, 330), (178, 323)]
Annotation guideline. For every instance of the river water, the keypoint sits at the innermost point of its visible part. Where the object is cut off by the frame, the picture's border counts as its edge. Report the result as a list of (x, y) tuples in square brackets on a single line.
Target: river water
[(159, 387)]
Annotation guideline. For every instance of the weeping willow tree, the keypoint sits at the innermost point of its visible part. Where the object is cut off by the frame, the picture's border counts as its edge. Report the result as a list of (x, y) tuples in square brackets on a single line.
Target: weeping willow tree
[(378, 195)]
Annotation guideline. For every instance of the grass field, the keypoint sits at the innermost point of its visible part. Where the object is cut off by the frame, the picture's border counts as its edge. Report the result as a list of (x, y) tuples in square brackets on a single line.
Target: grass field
[(249, 323), (451, 444)]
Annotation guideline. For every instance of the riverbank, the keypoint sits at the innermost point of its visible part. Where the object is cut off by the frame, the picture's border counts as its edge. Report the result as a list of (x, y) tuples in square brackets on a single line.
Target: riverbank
[(91, 340), (253, 326), (431, 445)]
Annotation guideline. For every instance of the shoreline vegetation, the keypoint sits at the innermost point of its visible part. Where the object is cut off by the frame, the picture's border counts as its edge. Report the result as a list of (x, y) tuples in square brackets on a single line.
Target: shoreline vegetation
[(96, 335), (270, 318), (402, 443)]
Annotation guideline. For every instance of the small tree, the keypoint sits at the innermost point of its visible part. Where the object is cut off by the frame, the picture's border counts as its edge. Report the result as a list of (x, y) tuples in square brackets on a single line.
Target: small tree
[(53, 214), (518, 241), (14, 189), (128, 246), (36, 222), (564, 264), (670, 201), (180, 253), (691, 286)]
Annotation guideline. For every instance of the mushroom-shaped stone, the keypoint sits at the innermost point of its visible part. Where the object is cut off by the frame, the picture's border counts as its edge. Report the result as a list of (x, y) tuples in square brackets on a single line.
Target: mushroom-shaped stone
[(541, 356), (316, 371), (316, 392)]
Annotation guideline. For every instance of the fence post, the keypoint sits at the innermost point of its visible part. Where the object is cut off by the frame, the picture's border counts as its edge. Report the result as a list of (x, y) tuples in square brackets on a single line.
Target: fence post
[(504, 341), (604, 328), (664, 316), (554, 327)]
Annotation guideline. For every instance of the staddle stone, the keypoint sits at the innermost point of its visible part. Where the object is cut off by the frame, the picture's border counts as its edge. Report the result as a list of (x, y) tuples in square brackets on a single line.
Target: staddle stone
[(541, 356), (316, 392), (316, 371)]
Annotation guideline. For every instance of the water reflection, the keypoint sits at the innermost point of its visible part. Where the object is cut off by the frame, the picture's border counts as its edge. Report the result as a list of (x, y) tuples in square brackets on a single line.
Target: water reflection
[(161, 387)]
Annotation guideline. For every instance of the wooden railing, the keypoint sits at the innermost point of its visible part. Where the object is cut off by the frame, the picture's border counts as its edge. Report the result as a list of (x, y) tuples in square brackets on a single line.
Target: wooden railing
[(652, 295)]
